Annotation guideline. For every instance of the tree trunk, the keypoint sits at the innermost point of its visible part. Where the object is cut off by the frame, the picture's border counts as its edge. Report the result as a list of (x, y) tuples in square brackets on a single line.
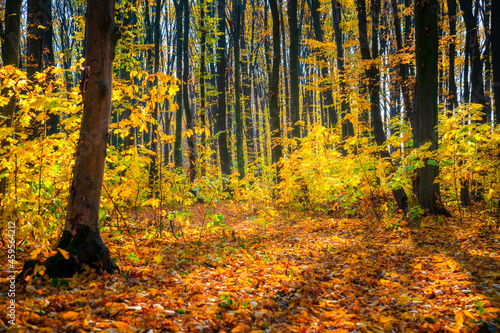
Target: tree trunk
[(237, 89), (452, 86), (477, 94), (178, 97), (347, 127), (294, 69), (81, 237), (153, 169), (187, 108), (495, 56), (402, 68), (274, 111), (203, 72), (327, 92), (10, 35), (426, 94), (220, 122)]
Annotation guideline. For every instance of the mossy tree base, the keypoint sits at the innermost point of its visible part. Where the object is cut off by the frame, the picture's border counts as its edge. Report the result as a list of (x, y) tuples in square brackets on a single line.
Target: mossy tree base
[(84, 248)]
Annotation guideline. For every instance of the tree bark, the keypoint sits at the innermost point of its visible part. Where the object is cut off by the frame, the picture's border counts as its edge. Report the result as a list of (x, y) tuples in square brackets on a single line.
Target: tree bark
[(274, 111), (327, 92), (347, 127), (187, 108), (294, 69), (178, 97), (495, 56), (476, 75), (426, 94), (11, 36), (402, 68), (452, 86), (237, 89), (153, 169), (220, 124), (81, 237)]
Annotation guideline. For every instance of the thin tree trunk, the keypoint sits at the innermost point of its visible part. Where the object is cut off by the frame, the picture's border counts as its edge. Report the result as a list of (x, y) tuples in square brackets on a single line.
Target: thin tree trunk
[(178, 97), (220, 124), (153, 169), (452, 86), (477, 94), (495, 55), (294, 69), (274, 114), (187, 108), (347, 127), (402, 68), (237, 89), (10, 35)]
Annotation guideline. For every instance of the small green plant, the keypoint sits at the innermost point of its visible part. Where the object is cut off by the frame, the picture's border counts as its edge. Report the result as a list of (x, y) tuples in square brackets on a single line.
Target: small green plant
[(226, 302)]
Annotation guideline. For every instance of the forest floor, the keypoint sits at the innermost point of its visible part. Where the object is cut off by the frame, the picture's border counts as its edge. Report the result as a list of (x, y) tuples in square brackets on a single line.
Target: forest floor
[(302, 272)]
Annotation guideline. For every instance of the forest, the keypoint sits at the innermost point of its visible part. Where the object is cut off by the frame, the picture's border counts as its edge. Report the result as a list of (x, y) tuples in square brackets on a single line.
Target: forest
[(250, 166)]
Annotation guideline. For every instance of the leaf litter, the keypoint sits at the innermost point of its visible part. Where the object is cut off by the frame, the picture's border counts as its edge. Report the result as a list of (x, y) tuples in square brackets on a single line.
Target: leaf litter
[(299, 273)]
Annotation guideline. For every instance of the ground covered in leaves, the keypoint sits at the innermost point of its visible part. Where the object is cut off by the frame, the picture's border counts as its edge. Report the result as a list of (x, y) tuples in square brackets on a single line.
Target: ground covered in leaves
[(285, 272)]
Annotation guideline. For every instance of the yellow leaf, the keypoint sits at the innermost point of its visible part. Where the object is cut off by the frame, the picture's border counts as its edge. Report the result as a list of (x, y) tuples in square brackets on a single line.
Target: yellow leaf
[(459, 320), (418, 267), (122, 327), (36, 252), (64, 253), (240, 328), (70, 315), (158, 259)]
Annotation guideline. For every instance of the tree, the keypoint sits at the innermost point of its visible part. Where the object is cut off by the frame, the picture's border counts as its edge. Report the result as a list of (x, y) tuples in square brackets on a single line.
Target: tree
[(495, 59), (347, 127), (294, 68), (178, 97), (402, 68), (476, 75), (452, 86), (237, 88), (426, 94), (81, 237), (274, 110), (153, 170), (327, 92), (220, 121), (10, 35), (39, 50), (185, 94)]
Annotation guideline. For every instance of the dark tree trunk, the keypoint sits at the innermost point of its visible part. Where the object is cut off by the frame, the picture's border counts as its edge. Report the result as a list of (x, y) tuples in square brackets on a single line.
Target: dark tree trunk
[(274, 111), (402, 68), (452, 86), (426, 104), (81, 237), (477, 94), (245, 80), (372, 72), (220, 121), (495, 55), (10, 33), (347, 127), (34, 39), (237, 89), (178, 97), (187, 108), (203, 73), (294, 68), (327, 92), (153, 170), (373, 75)]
